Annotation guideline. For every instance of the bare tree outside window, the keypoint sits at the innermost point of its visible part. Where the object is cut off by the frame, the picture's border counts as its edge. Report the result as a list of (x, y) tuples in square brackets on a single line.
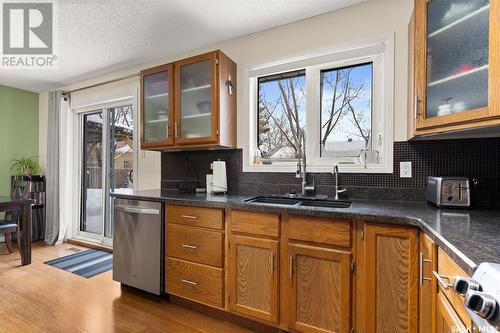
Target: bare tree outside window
[(346, 110), (122, 145), (281, 114)]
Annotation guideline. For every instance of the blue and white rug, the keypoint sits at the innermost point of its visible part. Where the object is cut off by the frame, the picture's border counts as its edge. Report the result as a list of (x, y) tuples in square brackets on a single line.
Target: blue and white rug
[(86, 263)]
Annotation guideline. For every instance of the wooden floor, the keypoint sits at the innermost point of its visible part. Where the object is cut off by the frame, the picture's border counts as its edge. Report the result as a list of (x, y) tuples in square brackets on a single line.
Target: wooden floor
[(42, 298)]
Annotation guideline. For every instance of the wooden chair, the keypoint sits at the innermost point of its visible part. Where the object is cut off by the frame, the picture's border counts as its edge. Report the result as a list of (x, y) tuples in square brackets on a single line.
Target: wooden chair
[(7, 227)]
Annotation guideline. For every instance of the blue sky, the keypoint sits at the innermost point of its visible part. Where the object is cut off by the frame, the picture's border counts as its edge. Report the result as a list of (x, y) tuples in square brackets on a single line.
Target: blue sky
[(360, 76), (272, 93)]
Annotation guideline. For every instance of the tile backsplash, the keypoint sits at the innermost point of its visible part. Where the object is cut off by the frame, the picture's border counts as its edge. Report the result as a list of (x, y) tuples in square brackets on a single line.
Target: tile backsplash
[(473, 158)]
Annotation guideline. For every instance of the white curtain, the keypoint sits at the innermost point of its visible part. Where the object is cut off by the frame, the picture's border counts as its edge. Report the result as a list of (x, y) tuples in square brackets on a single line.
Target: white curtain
[(58, 179), (67, 178), (52, 193)]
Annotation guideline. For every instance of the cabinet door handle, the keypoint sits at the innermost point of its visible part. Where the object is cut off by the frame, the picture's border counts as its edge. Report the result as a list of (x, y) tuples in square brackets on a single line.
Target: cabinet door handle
[(417, 101), (291, 266), (190, 217), (440, 278), (191, 283), (194, 247), (176, 130), (272, 262), (421, 268)]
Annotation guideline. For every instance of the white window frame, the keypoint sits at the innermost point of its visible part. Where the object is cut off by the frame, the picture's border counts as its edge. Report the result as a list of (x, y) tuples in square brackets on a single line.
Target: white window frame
[(380, 52)]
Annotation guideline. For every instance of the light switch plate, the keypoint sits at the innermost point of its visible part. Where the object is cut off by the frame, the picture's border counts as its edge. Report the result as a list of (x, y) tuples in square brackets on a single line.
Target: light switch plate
[(405, 169)]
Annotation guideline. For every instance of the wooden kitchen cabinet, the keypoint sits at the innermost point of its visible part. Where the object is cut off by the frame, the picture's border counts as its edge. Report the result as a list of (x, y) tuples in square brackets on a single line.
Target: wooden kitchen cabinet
[(387, 279), (194, 254), (203, 217), (317, 273), (447, 320), (311, 274), (200, 283), (448, 270), (456, 66), (320, 289), (255, 223), (253, 277), (157, 107), (201, 107), (195, 244), (427, 284)]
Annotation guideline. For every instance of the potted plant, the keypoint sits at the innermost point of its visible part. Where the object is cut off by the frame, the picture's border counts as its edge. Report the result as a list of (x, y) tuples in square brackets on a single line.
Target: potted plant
[(22, 170)]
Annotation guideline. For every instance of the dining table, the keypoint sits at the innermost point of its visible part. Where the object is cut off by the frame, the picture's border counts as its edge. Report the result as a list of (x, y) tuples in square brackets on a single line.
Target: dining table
[(24, 224)]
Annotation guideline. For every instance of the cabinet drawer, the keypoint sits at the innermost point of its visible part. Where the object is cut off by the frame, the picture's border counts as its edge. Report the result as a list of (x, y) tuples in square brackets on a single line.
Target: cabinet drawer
[(320, 230), (196, 216), (447, 319), (195, 244), (195, 282), (263, 224), (448, 268)]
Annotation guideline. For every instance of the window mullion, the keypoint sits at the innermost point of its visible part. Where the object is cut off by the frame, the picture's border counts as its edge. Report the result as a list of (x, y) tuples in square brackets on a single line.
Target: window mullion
[(312, 115)]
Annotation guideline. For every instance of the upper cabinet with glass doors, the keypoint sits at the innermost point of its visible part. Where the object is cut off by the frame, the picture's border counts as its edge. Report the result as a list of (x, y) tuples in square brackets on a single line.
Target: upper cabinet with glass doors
[(457, 65), (200, 108), (157, 107)]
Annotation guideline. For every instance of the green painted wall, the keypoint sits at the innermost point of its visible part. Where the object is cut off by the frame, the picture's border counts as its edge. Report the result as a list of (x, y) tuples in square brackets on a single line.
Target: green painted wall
[(18, 129)]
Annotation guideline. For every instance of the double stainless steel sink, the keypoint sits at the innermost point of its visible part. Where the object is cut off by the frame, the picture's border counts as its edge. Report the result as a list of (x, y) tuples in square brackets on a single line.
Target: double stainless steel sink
[(297, 202)]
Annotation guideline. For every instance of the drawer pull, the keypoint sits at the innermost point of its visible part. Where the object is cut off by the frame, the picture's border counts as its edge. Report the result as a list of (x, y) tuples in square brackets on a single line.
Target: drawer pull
[(194, 247), (190, 217), (440, 278), (191, 283)]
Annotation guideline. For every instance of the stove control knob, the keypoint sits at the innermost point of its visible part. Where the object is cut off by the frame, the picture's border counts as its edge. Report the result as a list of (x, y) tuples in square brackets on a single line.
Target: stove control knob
[(482, 304), (463, 284)]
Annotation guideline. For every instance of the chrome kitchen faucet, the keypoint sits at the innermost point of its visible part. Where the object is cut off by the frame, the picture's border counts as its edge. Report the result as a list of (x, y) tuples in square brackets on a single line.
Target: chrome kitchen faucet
[(302, 164), (335, 171)]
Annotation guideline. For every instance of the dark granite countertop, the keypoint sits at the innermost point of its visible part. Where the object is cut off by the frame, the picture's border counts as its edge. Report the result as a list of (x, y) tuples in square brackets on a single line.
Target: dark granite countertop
[(468, 236)]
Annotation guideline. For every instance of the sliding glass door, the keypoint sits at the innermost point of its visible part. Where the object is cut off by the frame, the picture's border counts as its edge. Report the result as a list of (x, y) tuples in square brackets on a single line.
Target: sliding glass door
[(107, 166)]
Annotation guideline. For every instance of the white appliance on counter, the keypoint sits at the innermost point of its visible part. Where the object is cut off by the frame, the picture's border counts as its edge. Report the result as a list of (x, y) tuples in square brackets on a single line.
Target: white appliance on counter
[(219, 178)]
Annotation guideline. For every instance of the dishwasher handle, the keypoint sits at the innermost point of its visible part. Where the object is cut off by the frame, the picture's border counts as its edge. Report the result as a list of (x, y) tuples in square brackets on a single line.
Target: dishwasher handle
[(137, 210)]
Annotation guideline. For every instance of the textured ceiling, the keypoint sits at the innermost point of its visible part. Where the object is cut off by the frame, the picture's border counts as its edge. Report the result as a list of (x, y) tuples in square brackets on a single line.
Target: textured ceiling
[(100, 36)]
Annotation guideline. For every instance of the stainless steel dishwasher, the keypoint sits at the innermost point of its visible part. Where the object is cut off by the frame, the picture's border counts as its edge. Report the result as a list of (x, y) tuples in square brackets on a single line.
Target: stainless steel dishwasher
[(137, 239)]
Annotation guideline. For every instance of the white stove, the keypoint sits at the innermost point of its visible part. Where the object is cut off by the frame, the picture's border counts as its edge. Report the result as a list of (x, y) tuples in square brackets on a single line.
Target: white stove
[(482, 296)]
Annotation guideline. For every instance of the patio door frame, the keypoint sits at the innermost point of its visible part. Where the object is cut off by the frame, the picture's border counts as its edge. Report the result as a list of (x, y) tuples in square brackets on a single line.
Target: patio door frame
[(106, 202)]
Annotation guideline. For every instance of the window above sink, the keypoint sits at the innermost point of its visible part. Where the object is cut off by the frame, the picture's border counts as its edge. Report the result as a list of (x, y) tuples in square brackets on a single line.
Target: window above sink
[(342, 98)]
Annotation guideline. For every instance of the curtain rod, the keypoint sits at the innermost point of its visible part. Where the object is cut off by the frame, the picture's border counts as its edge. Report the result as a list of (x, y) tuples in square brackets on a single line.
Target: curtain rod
[(105, 82)]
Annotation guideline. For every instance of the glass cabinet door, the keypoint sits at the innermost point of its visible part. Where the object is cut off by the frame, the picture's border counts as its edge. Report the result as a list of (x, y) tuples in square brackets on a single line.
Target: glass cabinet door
[(157, 108), (195, 86), (457, 58)]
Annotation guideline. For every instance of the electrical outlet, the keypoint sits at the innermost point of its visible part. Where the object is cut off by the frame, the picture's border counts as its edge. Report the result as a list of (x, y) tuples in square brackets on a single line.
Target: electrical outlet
[(405, 169)]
